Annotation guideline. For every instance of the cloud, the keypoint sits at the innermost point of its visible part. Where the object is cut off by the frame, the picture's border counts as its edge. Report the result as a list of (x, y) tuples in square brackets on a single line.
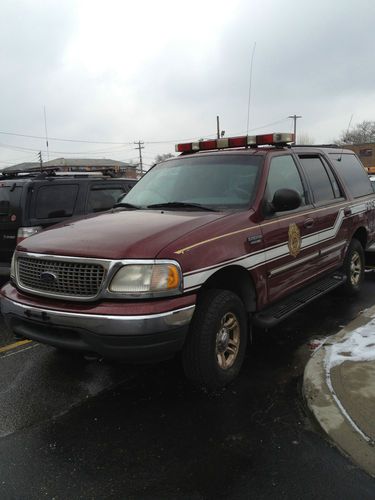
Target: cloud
[(123, 71)]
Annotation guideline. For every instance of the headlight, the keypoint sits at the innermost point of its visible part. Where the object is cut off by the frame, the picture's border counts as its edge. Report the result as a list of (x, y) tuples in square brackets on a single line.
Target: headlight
[(13, 267), (147, 279)]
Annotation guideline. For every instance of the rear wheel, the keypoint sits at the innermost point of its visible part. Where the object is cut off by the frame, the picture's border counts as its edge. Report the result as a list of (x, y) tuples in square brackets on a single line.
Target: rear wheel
[(215, 347), (354, 268)]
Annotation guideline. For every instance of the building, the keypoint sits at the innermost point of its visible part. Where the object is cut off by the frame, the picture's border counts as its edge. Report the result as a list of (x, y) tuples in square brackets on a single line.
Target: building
[(366, 153)]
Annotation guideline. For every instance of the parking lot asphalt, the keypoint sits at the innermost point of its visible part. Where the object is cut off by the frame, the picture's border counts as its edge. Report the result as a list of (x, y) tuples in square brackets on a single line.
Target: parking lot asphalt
[(90, 429)]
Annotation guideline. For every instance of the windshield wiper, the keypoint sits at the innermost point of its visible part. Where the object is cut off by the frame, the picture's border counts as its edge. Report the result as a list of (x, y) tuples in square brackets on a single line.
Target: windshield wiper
[(126, 205), (181, 204)]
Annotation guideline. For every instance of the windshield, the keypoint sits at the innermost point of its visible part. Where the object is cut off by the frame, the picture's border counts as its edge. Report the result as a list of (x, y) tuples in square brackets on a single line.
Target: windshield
[(216, 181)]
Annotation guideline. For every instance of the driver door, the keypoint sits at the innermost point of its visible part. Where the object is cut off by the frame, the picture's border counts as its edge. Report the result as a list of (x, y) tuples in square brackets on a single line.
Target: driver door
[(288, 263)]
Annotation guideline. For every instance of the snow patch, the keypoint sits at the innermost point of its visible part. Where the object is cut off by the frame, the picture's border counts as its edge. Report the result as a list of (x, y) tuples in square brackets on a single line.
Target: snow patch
[(359, 345)]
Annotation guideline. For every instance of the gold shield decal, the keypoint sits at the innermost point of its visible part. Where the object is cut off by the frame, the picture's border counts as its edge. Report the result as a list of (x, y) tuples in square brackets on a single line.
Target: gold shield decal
[(294, 240)]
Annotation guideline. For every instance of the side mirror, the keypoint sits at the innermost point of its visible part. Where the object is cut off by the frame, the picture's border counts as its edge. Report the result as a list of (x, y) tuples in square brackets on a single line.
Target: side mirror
[(286, 199)]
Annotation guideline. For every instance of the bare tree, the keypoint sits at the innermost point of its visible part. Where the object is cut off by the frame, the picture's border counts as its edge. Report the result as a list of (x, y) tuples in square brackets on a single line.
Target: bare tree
[(162, 157), (362, 133)]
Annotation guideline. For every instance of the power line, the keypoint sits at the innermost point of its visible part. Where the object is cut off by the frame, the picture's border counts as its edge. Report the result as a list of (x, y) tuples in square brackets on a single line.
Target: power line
[(64, 140), (126, 143), (35, 150)]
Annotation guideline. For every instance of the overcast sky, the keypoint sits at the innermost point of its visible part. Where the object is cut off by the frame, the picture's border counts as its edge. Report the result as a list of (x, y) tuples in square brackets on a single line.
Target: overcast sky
[(120, 71)]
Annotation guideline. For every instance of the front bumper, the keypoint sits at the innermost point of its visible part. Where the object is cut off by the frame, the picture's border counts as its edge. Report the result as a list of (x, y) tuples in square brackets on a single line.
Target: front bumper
[(132, 338)]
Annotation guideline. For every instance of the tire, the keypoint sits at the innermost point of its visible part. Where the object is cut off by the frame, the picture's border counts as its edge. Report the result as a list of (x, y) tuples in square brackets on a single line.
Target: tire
[(216, 344), (354, 268)]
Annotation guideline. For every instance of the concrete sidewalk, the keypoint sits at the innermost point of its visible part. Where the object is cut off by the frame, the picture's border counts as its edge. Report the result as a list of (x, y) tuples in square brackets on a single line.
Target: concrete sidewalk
[(339, 387)]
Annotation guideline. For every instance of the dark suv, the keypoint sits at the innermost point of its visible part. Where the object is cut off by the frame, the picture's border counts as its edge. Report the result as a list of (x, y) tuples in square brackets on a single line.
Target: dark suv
[(30, 202)]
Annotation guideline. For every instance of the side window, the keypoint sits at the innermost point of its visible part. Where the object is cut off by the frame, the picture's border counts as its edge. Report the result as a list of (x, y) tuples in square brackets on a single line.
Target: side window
[(283, 174), (353, 173), (55, 201), (103, 198), (320, 181)]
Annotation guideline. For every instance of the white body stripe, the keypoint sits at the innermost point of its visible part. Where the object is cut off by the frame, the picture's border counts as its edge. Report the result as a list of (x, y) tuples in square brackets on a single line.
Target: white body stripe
[(194, 279)]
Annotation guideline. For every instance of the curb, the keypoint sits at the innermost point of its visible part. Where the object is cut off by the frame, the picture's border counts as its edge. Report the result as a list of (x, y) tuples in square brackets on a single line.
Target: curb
[(328, 410)]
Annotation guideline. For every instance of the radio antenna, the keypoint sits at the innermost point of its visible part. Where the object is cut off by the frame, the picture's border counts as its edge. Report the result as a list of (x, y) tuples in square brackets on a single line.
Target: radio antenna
[(250, 82)]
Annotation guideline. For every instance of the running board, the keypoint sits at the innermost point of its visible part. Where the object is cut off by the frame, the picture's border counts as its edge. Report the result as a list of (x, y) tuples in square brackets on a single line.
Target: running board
[(267, 318)]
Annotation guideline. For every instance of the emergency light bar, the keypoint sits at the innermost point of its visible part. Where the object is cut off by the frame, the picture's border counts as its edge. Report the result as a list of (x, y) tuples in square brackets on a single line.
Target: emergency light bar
[(244, 141)]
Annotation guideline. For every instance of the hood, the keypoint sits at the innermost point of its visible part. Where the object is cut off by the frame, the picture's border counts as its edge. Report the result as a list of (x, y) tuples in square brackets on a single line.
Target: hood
[(118, 235)]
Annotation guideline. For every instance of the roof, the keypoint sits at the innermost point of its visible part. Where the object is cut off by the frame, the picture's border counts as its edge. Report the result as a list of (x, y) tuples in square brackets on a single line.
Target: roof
[(67, 162), (21, 167), (85, 162)]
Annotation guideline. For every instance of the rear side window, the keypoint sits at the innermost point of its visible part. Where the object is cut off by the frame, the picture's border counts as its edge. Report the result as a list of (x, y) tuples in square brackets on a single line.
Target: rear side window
[(55, 201), (319, 179), (104, 198), (10, 198), (353, 173)]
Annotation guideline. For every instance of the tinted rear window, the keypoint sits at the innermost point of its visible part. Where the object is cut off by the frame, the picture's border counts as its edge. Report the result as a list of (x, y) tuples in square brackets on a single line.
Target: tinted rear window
[(103, 198), (353, 173), (55, 201), (319, 179)]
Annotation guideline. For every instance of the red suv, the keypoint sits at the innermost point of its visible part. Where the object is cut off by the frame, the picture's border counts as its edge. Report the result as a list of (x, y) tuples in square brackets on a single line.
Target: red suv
[(233, 232)]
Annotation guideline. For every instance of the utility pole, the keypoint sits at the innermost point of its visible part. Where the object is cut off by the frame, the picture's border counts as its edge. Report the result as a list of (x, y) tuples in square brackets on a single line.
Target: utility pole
[(295, 118), (140, 147), (45, 127), (40, 160), (218, 127)]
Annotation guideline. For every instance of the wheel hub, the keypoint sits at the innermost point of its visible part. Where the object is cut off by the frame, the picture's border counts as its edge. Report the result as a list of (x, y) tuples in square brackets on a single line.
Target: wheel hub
[(227, 341), (355, 269), (223, 340)]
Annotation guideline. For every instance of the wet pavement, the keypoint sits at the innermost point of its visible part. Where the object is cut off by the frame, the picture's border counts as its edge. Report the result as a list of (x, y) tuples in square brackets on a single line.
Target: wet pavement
[(77, 429)]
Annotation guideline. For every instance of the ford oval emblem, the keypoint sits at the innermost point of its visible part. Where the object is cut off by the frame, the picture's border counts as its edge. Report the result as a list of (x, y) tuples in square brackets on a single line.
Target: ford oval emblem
[(48, 277)]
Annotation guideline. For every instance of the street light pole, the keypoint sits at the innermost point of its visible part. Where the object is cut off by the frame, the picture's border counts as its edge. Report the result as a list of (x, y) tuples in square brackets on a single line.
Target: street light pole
[(295, 118)]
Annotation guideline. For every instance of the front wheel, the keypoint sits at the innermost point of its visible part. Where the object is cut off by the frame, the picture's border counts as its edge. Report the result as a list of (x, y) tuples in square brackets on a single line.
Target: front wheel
[(354, 268), (215, 347)]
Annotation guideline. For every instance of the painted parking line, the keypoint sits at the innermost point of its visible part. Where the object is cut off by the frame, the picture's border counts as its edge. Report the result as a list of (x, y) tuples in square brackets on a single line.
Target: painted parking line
[(18, 351), (10, 347)]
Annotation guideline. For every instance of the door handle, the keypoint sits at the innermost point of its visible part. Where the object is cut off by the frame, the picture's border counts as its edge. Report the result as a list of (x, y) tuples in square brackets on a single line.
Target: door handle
[(308, 223)]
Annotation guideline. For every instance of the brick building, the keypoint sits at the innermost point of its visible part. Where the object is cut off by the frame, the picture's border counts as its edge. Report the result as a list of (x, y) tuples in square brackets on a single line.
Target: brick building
[(366, 153)]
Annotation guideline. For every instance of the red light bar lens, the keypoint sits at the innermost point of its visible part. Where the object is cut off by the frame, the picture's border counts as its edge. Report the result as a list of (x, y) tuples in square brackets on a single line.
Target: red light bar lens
[(238, 142), (204, 145), (184, 148), (264, 139)]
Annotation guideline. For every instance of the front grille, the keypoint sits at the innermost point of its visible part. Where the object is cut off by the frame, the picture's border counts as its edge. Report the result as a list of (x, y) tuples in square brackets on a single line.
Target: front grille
[(74, 279)]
